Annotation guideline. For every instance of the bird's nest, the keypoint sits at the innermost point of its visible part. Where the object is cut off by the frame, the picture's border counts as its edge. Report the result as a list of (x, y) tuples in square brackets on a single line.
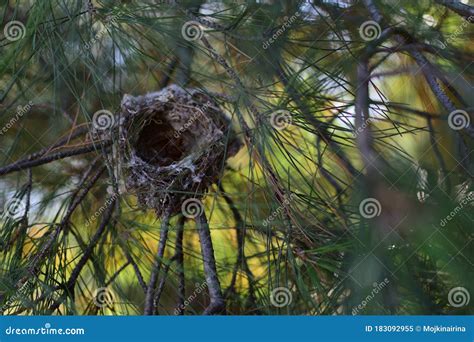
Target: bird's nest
[(173, 144)]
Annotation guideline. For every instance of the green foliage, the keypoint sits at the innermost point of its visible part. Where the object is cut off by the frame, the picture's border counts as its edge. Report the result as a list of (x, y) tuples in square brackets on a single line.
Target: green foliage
[(286, 212)]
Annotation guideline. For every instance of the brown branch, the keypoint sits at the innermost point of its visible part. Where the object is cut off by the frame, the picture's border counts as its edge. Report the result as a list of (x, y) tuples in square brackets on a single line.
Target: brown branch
[(364, 137), (439, 157), (401, 107), (23, 224), (458, 7), (64, 140), (29, 187), (161, 287), (217, 304), (35, 160), (318, 125), (250, 139), (178, 254), (84, 187), (167, 73), (136, 269), (94, 240), (150, 292), (241, 262), (116, 274), (180, 261), (326, 174), (185, 53), (374, 12), (69, 287), (427, 69), (79, 195)]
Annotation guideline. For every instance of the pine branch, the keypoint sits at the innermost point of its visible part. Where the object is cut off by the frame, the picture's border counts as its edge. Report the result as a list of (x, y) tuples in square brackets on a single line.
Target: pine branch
[(177, 256), (136, 269), (84, 187), (217, 304), (427, 68), (460, 8), (318, 125), (250, 139), (439, 157), (151, 288), (180, 261), (33, 160), (241, 262), (71, 282)]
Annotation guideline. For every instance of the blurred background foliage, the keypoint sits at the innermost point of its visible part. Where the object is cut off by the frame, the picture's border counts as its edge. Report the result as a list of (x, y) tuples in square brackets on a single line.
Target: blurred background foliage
[(77, 57)]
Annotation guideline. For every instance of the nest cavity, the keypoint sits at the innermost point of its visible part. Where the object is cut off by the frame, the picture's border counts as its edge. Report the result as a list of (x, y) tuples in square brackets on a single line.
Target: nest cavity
[(174, 144)]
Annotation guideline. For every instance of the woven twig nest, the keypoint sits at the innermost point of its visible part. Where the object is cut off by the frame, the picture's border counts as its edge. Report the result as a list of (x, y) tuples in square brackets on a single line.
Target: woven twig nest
[(173, 144)]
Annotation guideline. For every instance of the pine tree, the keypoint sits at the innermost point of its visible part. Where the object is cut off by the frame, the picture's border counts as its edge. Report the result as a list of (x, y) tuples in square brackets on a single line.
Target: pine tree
[(233, 157)]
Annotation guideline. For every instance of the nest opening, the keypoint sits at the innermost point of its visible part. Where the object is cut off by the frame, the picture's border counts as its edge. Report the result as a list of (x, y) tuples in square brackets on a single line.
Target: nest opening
[(156, 144)]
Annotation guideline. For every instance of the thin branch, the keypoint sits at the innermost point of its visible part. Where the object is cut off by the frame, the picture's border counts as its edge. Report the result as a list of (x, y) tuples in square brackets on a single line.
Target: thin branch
[(180, 261), (458, 7), (318, 125), (69, 287), (150, 292), (439, 157), (364, 137), (427, 68), (167, 73), (23, 226), (29, 187), (374, 12), (116, 274), (132, 262), (217, 304), (178, 254), (241, 262), (33, 160), (250, 140), (84, 187)]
